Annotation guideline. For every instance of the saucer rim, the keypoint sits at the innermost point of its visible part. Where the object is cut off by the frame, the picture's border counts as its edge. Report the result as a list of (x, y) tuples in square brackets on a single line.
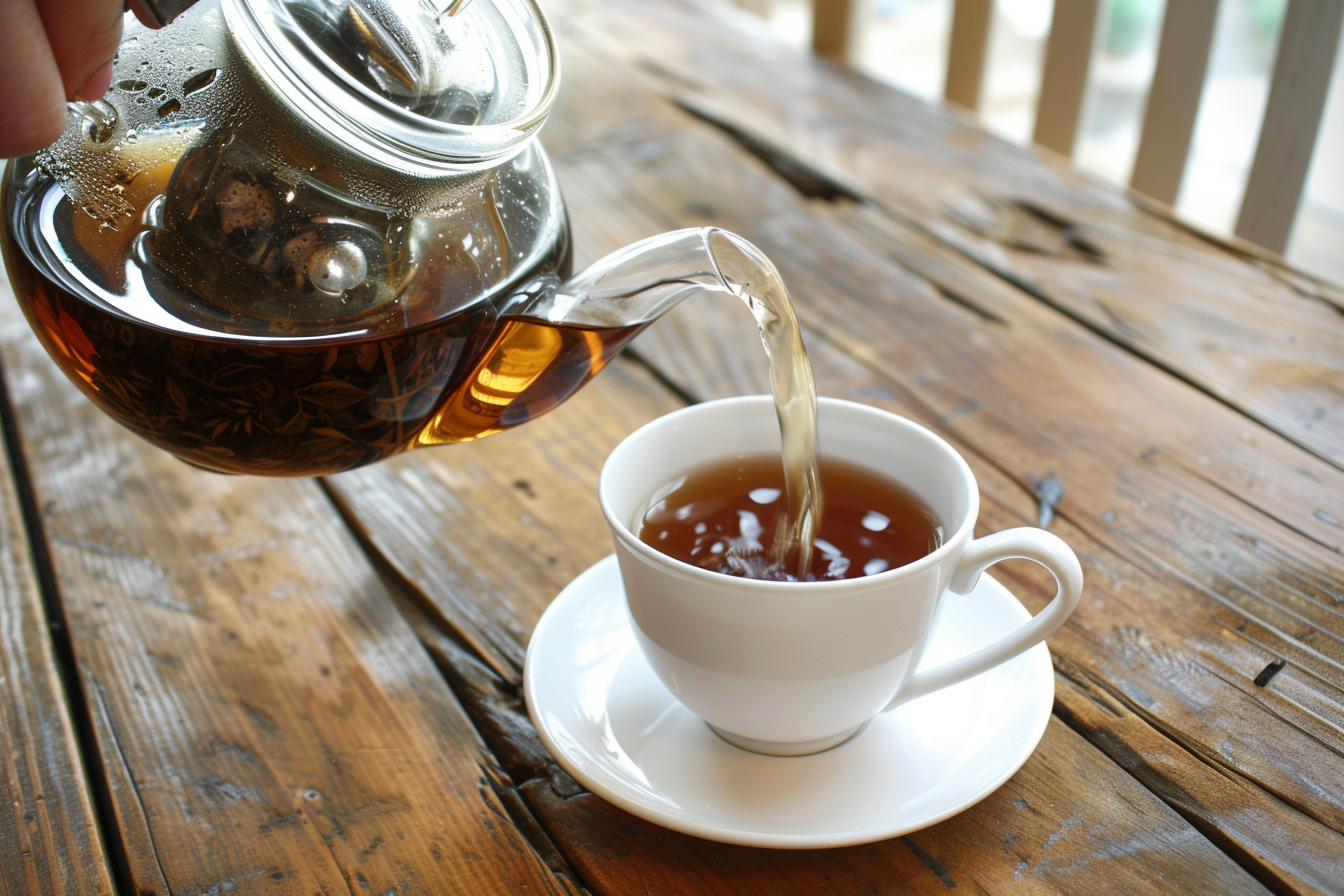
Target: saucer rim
[(1044, 699)]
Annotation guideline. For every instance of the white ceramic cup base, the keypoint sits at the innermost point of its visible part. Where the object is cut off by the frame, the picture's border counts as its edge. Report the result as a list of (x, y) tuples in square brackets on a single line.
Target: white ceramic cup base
[(611, 723), (792, 668), (804, 748)]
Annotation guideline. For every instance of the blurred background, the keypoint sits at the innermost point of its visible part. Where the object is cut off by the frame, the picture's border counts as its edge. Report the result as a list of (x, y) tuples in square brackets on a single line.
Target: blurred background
[(905, 43)]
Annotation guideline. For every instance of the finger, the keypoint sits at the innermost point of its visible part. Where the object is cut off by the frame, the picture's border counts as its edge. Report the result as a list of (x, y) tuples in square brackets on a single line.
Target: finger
[(84, 35), (32, 103), (143, 14)]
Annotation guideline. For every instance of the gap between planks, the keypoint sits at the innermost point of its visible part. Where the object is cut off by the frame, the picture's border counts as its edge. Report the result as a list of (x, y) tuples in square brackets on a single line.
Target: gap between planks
[(816, 180), (77, 706), (509, 735)]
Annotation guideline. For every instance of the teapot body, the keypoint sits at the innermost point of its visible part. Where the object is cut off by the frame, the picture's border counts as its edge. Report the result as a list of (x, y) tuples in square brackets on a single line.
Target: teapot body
[(267, 406), (299, 236), (260, 284)]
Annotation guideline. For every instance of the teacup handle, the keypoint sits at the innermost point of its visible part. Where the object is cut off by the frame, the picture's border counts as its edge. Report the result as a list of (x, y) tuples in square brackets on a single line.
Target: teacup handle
[(1029, 544)]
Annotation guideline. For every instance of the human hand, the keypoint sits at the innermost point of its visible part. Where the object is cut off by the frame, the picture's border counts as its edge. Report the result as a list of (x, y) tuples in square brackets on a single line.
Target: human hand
[(52, 51)]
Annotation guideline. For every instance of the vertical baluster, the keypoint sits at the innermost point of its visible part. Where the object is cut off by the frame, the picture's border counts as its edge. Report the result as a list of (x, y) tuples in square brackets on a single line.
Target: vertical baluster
[(1074, 29), (1173, 99), (966, 52), (832, 26), (760, 7), (1306, 55)]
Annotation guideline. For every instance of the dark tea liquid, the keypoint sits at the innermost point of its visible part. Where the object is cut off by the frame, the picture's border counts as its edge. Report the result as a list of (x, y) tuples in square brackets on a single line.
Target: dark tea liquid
[(723, 517), (273, 406)]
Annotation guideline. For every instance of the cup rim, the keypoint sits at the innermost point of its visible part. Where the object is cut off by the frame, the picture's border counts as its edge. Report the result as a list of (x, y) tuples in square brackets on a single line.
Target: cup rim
[(951, 544)]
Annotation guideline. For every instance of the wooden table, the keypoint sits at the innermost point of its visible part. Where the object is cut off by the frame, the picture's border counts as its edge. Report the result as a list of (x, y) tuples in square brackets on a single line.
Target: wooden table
[(225, 685)]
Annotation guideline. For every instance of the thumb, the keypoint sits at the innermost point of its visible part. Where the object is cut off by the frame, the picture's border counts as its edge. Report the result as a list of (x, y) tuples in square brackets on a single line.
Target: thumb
[(84, 35), (32, 104)]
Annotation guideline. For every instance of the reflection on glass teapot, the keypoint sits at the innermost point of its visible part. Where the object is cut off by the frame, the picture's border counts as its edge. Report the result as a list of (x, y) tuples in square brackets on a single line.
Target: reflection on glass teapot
[(298, 236)]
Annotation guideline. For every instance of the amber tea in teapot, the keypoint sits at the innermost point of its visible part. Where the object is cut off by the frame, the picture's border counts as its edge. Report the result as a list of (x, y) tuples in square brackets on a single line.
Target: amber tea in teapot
[(275, 406), (253, 405)]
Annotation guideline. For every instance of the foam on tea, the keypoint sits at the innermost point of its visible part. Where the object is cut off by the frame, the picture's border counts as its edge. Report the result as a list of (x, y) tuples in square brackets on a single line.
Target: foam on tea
[(724, 517)]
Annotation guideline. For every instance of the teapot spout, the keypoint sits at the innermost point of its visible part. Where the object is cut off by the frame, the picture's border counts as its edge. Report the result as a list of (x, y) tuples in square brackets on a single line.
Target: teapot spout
[(556, 336), (638, 284)]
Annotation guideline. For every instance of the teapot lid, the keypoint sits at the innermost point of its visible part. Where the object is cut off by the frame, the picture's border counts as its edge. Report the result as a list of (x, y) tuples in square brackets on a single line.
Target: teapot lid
[(437, 78)]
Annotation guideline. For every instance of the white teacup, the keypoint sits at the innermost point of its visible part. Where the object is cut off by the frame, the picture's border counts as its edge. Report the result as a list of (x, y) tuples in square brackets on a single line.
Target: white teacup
[(789, 668)]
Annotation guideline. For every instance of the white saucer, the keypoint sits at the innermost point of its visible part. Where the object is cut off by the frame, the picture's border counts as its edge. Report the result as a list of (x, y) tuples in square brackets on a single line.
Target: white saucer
[(611, 724)]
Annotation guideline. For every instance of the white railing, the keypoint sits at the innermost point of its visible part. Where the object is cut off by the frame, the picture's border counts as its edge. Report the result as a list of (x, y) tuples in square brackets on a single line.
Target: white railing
[(1301, 76)]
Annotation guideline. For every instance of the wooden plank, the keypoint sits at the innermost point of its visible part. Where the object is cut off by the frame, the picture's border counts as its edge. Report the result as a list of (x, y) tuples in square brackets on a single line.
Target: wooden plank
[(265, 719), (1074, 33), (459, 527), (833, 23), (1016, 386), (1032, 834), (1229, 810), (1213, 317), (1297, 90), (1173, 99), (49, 838), (1052, 828), (1212, 554), (1040, 424), (967, 50), (690, 350)]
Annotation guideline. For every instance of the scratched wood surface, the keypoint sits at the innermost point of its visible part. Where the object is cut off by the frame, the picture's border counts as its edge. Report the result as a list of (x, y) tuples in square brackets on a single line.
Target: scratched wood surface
[(263, 718), (1266, 340), (49, 839), (1210, 534), (314, 687), (1053, 828)]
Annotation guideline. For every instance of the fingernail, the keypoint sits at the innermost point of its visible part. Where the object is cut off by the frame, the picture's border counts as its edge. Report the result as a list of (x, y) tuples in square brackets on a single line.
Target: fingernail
[(97, 83)]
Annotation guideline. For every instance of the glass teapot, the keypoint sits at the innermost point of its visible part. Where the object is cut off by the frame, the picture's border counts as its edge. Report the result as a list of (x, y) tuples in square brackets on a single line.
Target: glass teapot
[(299, 236)]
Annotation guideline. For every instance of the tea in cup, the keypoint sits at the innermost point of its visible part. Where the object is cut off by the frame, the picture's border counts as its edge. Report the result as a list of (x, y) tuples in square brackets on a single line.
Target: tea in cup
[(795, 667)]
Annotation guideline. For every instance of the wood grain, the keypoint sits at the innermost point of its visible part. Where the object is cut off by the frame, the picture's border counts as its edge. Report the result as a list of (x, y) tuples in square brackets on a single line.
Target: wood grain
[(1129, 634), (486, 533), (267, 722), (1168, 480), (1266, 341), (49, 838), (265, 719), (1241, 818), (1069, 821), (1208, 550), (1032, 835), (1206, 534)]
